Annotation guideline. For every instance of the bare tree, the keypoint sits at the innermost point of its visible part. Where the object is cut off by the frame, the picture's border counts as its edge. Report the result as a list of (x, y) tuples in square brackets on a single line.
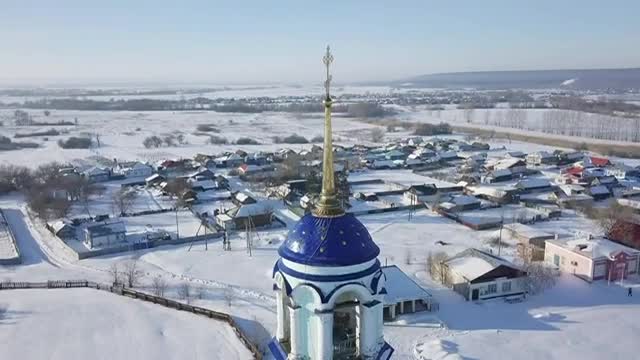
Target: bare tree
[(123, 199), (185, 292), (158, 286), (608, 218), (539, 277), (407, 257), (116, 274), (437, 269), (377, 134), (3, 311), (132, 274)]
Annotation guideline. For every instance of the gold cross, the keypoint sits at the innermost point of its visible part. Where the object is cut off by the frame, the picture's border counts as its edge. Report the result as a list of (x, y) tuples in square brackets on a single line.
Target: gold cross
[(327, 60)]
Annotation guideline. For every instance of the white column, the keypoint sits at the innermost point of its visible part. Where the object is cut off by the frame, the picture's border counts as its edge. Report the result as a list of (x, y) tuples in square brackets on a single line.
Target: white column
[(324, 348), (282, 331), (371, 328), (295, 332)]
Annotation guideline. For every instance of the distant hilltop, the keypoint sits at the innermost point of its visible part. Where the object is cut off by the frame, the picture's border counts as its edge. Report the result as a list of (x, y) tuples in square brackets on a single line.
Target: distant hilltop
[(596, 79)]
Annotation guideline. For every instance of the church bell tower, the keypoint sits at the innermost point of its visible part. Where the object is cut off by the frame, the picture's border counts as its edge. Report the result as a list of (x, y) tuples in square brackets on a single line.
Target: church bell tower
[(328, 282)]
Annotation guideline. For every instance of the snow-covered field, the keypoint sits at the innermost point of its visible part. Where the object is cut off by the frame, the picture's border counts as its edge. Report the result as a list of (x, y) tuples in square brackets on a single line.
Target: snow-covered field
[(121, 134), (90, 324)]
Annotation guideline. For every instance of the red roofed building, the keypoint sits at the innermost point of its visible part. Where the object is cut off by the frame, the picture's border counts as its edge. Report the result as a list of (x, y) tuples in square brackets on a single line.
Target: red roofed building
[(599, 161)]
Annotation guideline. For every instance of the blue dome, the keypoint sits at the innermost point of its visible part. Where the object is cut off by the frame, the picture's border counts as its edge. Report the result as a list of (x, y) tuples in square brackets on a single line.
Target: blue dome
[(331, 241)]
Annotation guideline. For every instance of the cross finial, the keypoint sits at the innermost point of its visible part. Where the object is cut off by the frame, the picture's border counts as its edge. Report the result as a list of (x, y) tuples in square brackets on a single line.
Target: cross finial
[(327, 60)]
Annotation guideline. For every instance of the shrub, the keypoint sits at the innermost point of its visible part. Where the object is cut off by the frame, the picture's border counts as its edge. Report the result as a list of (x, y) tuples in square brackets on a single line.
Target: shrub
[(152, 142), (291, 139), (317, 139), (247, 141), (217, 140), (75, 143), (207, 128)]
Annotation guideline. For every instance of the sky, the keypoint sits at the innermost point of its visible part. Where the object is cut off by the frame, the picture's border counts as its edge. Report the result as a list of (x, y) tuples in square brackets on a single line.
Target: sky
[(263, 41)]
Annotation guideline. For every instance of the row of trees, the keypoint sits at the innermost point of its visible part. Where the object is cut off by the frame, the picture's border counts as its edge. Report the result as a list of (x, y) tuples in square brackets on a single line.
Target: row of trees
[(553, 121)]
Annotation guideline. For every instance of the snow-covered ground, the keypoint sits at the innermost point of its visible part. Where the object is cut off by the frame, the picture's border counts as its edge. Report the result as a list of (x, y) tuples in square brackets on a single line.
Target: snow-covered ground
[(572, 320), (77, 324)]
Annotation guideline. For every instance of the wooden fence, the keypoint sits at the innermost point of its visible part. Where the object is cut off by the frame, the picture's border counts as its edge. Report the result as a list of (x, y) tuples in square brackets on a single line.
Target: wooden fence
[(124, 291)]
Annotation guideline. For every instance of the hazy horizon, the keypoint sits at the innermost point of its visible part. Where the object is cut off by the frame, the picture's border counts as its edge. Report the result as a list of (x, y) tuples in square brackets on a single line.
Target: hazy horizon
[(196, 42)]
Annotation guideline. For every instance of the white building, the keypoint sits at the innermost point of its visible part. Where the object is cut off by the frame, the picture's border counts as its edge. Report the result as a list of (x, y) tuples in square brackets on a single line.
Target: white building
[(478, 275), (134, 169), (592, 258), (104, 234)]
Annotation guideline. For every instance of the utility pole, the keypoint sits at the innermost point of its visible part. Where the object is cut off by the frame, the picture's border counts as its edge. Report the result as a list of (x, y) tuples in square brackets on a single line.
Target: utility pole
[(500, 236)]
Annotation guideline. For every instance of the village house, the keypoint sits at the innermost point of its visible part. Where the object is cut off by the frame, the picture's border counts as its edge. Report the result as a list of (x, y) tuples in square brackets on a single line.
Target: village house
[(541, 158), (571, 196), (104, 233), (514, 165), (592, 258), (154, 180), (420, 193), (97, 174), (599, 192), (403, 295), (479, 275), (239, 198), (247, 216), (497, 176), (63, 229), (458, 203), (133, 169), (231, 160), (533, 185), (502, 195), (531, 241), (623, 172)]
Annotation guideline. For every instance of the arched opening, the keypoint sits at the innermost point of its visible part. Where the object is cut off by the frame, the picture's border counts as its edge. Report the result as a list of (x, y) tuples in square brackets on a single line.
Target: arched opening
[(348, 322)]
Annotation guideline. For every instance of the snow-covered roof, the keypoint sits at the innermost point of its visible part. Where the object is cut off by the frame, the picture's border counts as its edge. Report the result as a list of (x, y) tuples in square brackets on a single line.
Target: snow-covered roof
[(599, 190), (508, 163), (473, 263), (470, 267), (501, 173), (204, 184), (250, 210), (533, 183), (400, 287), (594, 248), (464, 200)]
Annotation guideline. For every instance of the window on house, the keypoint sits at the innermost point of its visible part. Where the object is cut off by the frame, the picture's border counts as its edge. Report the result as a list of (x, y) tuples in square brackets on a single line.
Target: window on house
[(556, 260), (492, 288), (506, 286)]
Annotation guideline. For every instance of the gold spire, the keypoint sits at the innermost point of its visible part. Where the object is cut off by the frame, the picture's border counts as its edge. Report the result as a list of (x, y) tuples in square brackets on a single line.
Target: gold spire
[(328, 205)]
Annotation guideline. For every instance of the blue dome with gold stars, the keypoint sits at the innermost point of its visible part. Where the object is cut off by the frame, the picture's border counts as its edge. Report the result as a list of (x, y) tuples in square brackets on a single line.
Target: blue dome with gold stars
[(329, 241)]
